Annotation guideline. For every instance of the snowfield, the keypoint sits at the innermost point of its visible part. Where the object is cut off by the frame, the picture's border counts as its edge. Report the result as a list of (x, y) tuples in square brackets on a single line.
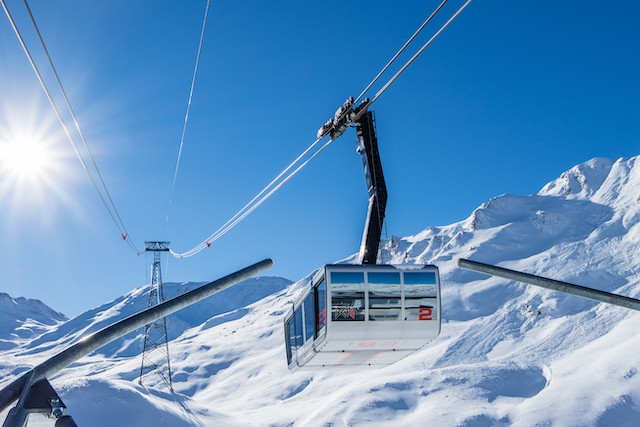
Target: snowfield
[(508, 354)]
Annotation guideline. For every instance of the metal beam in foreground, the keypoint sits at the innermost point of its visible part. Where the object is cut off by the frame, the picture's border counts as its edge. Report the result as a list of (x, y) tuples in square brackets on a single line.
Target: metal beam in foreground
[(91, 343), (556, 285)]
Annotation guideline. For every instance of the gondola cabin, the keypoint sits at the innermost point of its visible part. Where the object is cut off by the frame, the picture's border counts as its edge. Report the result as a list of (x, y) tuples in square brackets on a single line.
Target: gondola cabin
[(363, 315)]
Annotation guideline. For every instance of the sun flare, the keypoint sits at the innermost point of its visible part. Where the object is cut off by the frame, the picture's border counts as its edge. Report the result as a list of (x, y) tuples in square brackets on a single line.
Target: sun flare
[(35, 178), (31, 169), (24, 158)]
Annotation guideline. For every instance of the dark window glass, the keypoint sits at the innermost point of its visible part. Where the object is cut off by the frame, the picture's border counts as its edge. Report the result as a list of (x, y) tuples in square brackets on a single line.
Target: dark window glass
[(297, 318), (309, 317), (384, 296), (420, 302), (321, 306), (347, 296), (290, 341)]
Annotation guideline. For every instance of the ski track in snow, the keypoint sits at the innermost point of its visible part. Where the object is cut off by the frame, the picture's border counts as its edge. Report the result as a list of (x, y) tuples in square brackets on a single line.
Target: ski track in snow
[(508, 354)]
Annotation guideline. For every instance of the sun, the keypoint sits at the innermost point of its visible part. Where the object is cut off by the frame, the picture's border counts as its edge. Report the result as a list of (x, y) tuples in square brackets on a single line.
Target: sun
[(31, 168), (36, 174), (25, 158)]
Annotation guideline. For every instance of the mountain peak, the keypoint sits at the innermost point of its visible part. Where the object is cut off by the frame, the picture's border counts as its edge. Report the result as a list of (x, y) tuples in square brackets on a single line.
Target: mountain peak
[(23, 318), (581, 181)]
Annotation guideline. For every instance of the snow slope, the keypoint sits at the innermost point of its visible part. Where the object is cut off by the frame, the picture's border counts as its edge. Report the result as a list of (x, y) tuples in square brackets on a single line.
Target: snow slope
[(508, 354), (23, 319)]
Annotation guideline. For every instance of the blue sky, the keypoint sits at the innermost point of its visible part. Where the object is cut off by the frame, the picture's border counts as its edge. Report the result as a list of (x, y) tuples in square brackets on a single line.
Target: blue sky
[(510, 96)]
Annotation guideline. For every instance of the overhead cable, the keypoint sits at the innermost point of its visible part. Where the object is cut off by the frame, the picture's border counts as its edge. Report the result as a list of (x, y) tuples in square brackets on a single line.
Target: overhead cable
[(124, 233), (186, 114), (260, 198), (399, 52), (281, 179), (419, 52), (106, 197)]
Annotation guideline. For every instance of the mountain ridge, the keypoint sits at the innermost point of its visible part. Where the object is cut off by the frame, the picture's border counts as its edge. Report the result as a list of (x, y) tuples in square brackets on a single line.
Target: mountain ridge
[(508, 354)]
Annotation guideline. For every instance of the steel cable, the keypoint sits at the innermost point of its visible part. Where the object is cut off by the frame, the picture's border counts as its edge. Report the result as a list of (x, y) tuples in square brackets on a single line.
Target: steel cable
[(399, 52), (419, 52), (186, 115), (262, 197), (111, 209)]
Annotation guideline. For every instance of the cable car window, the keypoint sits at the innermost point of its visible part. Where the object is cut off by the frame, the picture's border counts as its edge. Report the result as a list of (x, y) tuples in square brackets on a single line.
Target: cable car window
[(420, 299), (420, 278), (384, 296), (297, 336), (309, 317), (321, 306), (290, 338), (347, 296)]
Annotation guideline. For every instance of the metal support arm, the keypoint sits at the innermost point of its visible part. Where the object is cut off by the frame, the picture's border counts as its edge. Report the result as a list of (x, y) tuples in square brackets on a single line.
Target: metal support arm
[(91, 343), (376, 187), (556, 285)]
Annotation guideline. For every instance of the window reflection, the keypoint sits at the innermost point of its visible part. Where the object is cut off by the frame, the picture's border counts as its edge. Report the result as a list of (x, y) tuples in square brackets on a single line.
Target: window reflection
[(297, 319), (384, 296), (309, 318), (347, 296), (321, 306), (420, 301)]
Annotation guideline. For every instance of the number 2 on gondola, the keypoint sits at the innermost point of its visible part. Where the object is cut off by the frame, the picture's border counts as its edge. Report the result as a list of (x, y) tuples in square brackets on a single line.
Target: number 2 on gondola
[(425, 313)]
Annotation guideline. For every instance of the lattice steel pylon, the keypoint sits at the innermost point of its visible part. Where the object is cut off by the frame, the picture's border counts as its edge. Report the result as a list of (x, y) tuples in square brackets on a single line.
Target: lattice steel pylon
[(155, 353)]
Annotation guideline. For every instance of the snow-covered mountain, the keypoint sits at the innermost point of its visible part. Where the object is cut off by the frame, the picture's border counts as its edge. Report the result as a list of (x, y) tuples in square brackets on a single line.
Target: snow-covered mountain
[(23, 319), (508, 354)]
